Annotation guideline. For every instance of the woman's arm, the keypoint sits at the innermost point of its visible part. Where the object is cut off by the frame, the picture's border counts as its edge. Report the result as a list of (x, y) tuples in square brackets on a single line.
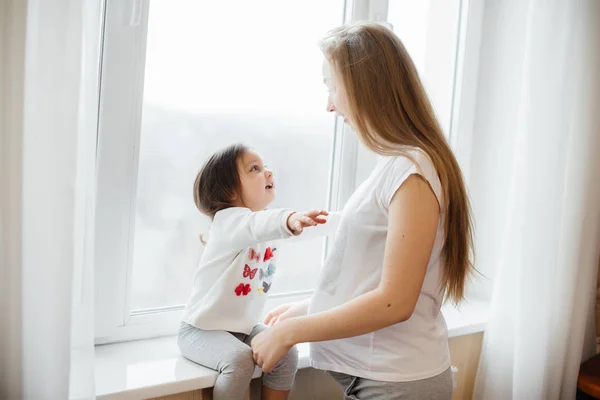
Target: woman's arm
[(412, 227)]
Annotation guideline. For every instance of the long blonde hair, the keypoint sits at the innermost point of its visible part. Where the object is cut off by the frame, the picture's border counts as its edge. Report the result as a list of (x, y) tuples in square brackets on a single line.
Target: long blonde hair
[(390, 111)]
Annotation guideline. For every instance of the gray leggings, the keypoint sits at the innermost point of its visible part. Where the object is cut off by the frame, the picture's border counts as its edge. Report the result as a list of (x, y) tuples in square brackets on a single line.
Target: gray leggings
[(231, 355), (437, 387)]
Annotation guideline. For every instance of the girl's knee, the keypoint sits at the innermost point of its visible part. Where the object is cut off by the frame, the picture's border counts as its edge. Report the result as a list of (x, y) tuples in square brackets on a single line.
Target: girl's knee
[(289, 362), (239, 363), (240, 360), (282, 377), (291, 356)]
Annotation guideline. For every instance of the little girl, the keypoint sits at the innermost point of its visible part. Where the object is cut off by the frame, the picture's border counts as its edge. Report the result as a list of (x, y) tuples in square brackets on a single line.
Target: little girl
[(221, 317)]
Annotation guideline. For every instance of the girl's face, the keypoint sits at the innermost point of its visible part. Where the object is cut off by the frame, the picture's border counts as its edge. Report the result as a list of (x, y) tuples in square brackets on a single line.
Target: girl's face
[(338, 99), (257, 182)]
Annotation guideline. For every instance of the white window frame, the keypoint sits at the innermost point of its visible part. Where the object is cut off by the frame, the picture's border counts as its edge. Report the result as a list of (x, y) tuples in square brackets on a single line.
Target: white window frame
[(123, 66)]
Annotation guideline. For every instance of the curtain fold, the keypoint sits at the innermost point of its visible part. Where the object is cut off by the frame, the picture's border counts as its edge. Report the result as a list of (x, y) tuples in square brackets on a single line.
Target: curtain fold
[(539, 74)]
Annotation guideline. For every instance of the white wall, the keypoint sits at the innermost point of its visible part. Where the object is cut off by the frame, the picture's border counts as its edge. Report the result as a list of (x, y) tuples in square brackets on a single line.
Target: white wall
[(12, 70), (40, 53)]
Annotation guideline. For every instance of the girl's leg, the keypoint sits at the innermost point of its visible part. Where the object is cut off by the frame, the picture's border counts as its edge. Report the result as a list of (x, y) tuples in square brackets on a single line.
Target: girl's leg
[(277, 383), (223, 352)]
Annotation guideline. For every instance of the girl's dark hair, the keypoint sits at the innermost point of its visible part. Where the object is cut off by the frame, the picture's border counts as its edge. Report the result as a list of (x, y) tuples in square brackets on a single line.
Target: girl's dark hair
[(219, 180)]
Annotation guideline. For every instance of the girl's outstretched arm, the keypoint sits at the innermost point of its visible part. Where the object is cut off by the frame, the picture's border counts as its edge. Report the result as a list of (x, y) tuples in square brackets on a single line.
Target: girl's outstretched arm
[(240, 227)]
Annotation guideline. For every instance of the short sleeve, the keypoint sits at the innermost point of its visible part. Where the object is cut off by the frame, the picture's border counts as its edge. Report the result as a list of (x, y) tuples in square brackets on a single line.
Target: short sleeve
[(397, 169)]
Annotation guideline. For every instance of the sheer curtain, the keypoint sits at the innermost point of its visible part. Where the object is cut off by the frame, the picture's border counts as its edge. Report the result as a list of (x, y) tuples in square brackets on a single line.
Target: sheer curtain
[(50, 98), (536, 193)]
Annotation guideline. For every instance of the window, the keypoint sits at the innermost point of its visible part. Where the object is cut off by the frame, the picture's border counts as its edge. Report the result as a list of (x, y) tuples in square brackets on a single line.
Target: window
[(429, 30), (183, 78), (227, 80)]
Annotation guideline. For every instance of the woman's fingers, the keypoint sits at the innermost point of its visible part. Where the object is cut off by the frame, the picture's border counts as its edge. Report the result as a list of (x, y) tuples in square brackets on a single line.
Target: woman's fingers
[(257, 360), (268, 369), (274, 314), (268, 319)]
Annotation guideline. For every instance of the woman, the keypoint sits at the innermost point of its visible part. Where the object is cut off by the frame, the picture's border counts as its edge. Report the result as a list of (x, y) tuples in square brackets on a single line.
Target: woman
[(404, 242)]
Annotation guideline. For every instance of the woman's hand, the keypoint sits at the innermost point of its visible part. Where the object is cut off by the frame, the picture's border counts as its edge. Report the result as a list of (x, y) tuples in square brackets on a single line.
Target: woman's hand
[(285, 311), (297, 221), (269, 346)]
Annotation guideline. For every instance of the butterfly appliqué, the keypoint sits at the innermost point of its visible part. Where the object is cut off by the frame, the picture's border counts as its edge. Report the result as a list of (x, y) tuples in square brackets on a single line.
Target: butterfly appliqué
[(269, 254), (267, 272), (242, 289), (266, 287), (253, 255), (249, 273)]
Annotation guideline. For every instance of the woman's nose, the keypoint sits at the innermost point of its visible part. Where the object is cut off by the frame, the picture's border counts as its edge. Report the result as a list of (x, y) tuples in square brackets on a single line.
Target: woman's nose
[(268, 173), (330, 106)]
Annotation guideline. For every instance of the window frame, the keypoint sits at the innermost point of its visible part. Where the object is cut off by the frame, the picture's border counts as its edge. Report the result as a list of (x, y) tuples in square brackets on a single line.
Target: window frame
[(119, 131)]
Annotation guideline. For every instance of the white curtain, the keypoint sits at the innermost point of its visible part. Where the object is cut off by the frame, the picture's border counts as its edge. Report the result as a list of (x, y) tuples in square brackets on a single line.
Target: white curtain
[(536, 193), (47, 349)]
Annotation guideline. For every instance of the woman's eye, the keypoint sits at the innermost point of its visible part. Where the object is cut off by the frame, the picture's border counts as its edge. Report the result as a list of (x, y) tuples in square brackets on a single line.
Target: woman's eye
[(254, 168)]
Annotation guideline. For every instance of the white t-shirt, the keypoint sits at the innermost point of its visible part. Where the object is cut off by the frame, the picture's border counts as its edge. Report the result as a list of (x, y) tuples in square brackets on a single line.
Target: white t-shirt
[(236, 269), (414, 349)]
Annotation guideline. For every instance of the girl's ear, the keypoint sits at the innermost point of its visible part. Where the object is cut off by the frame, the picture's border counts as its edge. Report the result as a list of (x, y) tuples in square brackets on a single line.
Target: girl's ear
[(235, 196)]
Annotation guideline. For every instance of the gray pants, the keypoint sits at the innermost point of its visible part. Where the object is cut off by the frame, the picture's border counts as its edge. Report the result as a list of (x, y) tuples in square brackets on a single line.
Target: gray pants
[(437, 387), (231, 355)]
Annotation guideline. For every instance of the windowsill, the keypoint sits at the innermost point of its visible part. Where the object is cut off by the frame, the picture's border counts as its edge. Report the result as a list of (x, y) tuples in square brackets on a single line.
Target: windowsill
[(470, 318), (153, 367)]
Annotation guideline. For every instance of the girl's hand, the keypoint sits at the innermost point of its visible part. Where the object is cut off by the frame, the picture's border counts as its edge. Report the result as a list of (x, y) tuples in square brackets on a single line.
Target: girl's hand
[(285, 311), (297, 221), (269, 346)]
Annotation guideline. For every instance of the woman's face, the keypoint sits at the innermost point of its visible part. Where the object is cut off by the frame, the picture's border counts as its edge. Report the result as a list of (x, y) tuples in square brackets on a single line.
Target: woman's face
[(338, 99)]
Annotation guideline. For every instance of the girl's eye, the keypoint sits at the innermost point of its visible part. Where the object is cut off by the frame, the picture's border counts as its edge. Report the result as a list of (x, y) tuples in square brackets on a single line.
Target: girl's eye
[(254, 168)]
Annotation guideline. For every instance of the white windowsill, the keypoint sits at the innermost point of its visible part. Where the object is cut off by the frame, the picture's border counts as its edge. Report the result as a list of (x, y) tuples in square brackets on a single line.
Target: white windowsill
[(153, 367)]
